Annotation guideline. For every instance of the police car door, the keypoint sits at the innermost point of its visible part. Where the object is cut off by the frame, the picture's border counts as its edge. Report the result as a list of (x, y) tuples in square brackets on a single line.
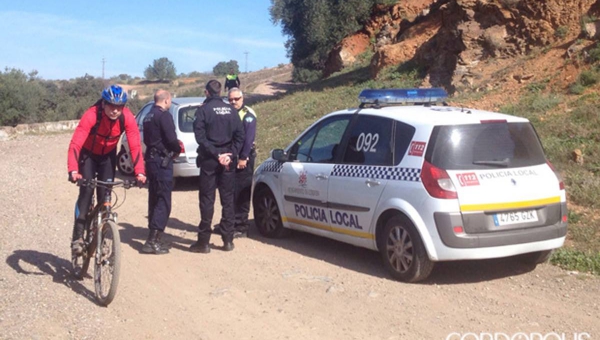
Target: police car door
[(305, 178), (357, 182)]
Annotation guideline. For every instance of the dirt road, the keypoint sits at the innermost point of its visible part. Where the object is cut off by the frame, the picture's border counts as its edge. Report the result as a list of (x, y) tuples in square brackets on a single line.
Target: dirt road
[(302, 287)]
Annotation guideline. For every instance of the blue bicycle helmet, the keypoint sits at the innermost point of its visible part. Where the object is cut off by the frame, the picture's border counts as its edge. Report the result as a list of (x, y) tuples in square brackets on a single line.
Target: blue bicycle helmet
[(115, 95)]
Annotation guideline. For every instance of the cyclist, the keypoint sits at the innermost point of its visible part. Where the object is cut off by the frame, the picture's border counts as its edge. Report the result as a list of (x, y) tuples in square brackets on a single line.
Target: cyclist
[(93, 151)]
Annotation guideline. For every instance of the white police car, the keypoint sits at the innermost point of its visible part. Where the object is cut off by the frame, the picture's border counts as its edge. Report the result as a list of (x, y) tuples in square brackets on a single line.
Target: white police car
[(418, 182), (183, 110)]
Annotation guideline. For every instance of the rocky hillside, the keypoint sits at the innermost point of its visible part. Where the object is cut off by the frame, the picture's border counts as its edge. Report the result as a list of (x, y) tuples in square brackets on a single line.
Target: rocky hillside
[(474, 45)]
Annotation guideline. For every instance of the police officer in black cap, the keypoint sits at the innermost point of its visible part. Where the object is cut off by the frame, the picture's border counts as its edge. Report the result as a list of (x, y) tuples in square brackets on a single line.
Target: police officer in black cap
[(161, 147), (220, 135)]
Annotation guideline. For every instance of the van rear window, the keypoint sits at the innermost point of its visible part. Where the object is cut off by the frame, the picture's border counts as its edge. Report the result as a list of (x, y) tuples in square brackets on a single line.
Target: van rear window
[(484, 146)]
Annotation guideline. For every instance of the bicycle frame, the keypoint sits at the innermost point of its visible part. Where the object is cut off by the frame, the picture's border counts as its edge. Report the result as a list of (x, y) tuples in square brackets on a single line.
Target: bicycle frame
[(101, 225)]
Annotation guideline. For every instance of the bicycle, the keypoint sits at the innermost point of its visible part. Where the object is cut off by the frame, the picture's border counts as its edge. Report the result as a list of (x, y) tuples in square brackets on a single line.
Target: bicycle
[(103, 244)]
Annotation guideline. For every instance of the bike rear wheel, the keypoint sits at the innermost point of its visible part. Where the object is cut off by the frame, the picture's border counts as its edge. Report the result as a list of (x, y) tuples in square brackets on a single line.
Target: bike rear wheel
[(108, 263)]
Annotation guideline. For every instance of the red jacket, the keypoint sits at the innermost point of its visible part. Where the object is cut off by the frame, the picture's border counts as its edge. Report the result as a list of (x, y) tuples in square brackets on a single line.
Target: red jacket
[(106, 139)]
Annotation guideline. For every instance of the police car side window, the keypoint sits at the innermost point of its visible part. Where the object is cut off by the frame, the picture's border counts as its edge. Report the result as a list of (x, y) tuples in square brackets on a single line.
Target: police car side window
[(320, 143), (370, 142), (403, 136)]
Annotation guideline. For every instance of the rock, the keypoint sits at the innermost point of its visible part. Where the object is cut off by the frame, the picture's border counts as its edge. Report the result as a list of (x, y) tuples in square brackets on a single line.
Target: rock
[(3, 135), (577, 156), (591, 29)]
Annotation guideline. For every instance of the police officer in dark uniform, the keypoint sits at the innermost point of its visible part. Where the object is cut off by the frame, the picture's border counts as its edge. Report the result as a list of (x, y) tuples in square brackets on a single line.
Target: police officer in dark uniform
[(161, 147), (245, 165), (220, 134)]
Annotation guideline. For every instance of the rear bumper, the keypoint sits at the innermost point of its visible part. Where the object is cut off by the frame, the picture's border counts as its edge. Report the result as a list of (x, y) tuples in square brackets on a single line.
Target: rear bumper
[(185, 170), (482, 235)]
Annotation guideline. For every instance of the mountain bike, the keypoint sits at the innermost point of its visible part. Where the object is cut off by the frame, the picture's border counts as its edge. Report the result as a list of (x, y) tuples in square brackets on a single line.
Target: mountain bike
[(101, 242)]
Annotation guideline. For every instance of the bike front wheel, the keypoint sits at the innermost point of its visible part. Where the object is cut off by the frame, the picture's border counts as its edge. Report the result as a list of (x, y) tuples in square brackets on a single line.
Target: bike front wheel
[(108, 263)]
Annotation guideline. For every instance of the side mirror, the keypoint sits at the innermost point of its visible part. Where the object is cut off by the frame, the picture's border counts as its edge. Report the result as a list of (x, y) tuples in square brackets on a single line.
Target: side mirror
[(279, 155)]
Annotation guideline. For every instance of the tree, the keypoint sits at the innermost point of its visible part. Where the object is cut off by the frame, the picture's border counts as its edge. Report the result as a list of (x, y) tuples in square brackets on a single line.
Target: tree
[(314, 27), (161, 69), (223, 68)]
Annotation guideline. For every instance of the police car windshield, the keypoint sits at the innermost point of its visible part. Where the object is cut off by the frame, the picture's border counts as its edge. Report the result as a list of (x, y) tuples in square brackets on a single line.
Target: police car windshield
[(484, 146)]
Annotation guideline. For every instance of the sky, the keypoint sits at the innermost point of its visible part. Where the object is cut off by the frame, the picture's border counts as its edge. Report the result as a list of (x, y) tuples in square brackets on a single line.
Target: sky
[(65, 39)]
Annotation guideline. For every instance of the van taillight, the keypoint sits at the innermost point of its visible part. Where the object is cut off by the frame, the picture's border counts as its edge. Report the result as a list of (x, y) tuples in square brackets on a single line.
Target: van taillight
[(437, 182), (561, 184), (182, 147)]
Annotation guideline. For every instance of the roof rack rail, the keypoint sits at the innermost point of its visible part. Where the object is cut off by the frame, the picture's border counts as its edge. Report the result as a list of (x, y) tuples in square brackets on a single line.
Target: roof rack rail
[(412, 96)]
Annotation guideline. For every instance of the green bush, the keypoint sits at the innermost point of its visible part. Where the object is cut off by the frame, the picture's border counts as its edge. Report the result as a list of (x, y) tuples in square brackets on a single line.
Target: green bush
[(561, 32), (576, 88), (587, 262), (588, 78), (303, 75), (594, 54)]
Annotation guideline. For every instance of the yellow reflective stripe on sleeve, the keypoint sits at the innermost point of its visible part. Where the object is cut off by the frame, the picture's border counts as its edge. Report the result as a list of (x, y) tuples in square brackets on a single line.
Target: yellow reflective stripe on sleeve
[(510, 205)]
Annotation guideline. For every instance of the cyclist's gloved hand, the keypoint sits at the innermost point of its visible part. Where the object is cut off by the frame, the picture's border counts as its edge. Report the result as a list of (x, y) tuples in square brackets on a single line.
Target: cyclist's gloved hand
[(141, 178), (74, 176)]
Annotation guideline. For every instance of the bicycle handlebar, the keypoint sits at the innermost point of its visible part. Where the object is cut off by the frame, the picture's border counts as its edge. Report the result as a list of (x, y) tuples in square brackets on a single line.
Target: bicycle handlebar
[(93, 183)]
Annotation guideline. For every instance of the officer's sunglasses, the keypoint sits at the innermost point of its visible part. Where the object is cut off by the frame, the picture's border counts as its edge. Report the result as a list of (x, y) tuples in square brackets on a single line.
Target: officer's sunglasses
[(234, 99)]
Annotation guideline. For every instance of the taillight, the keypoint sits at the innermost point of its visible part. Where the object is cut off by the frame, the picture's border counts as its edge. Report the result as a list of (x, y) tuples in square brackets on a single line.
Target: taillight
[(181, 146), (561, 184), (437, 182)]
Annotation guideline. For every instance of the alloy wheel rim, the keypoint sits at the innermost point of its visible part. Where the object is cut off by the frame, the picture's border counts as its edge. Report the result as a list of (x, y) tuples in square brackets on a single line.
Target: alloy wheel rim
[(399, 249)]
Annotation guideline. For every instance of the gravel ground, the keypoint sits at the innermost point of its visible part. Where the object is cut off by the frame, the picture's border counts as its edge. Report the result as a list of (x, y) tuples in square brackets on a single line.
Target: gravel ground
[(300, 287)]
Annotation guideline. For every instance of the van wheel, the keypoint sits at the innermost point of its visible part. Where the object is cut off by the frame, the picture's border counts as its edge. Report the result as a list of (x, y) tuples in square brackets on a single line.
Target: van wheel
[(124, 163), (535, 258), (402, 251), (266, 215)]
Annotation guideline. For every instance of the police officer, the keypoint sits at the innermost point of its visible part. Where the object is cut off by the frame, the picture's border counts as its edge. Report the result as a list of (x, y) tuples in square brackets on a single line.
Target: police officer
[(220, 134), (161, 147), (245, 165), (232, 80)]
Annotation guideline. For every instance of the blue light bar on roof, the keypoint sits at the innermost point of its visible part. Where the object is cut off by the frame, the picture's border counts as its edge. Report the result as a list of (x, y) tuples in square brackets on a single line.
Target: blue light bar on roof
[(402, 96)]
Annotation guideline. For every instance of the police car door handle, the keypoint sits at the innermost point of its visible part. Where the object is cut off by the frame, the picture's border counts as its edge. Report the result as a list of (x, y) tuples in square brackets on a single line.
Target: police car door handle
[(372, 182), (321, 176)]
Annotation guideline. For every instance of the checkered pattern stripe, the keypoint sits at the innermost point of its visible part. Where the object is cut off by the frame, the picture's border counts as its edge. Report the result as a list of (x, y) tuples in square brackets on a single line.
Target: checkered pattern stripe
[(271, 166), (379, 172)]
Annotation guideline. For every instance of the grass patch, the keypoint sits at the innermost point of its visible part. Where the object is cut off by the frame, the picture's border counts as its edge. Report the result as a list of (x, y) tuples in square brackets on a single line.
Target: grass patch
[(587, 262)]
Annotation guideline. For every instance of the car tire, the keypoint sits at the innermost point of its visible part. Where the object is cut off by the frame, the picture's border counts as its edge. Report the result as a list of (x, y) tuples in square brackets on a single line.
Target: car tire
[(124, 163), (535, 258), (266, 214), (403, 252)]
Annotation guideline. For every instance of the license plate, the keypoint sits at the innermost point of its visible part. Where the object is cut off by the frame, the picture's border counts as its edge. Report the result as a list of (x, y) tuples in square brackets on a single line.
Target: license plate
[(515, 217)]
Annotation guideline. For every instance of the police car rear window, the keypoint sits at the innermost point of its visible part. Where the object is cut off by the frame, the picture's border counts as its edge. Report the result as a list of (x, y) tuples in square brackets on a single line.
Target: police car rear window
[(484, 146), (186, 117)]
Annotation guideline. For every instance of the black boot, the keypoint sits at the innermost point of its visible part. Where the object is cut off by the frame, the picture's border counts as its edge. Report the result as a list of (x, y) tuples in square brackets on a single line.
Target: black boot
[(152, 246), (200, 247), (163, 245)]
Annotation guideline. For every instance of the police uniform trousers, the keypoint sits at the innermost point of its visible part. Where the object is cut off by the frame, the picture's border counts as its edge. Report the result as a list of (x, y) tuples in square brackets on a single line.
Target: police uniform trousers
[(242, 194), (159, 192), (214, 176)]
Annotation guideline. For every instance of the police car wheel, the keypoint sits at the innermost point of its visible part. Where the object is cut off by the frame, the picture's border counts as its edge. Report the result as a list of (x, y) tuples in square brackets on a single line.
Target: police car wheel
[(402, 251), (535, 258), (124, 163), (266, 214)]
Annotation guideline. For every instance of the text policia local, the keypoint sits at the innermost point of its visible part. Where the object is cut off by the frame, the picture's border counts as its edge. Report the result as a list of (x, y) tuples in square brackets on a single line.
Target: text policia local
[(327, 216)]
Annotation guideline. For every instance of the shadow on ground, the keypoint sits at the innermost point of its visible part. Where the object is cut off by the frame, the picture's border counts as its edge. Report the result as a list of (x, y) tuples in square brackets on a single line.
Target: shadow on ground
[(49, 264), (369, 262)]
